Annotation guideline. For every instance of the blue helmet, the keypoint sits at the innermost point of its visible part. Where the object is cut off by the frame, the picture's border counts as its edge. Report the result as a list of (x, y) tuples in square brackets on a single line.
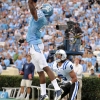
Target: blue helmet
[(47, 10)]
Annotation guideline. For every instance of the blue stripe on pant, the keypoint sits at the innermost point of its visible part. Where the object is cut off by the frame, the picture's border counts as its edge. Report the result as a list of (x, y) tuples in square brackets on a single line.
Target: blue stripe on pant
[(36, 48), (75, 91)]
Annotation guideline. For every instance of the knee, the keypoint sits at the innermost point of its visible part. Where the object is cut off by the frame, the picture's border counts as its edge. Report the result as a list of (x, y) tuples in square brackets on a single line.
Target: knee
[(46, 69), (28, 88), (41, 73), (22, 87)]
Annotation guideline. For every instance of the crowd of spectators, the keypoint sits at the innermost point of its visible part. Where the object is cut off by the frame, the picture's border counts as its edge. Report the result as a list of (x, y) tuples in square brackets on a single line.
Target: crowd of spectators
[(14, 18)]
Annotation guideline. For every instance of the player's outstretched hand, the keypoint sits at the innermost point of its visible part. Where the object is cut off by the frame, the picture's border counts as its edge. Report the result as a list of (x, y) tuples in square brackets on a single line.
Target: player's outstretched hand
[(30, 76)]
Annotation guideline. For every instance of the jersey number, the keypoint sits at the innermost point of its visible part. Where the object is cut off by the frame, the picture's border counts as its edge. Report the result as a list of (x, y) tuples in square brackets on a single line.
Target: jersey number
[(71, 66), (64, 78)]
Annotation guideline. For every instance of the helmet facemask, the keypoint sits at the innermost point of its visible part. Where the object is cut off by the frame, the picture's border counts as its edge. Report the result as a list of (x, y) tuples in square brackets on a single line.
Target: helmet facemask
[(63, 55)]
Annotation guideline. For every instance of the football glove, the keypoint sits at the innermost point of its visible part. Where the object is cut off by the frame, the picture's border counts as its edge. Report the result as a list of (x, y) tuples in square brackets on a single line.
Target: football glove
[(66, 85)]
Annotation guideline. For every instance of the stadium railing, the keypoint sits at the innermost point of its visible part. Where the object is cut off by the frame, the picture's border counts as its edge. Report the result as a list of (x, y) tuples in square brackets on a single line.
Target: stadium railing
[(15, 92)]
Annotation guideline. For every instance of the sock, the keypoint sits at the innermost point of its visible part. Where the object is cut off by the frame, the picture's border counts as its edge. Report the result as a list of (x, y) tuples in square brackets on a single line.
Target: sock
[(28, 96), (22, 94), (43, 89), (55, 84)]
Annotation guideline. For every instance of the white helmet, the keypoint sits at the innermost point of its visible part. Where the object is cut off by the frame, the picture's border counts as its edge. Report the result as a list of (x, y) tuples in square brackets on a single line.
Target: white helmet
[(63, 55)]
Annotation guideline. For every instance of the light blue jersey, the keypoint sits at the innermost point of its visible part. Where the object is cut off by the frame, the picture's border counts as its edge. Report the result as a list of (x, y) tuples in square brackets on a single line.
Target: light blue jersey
[(63, 71), (34, 35)]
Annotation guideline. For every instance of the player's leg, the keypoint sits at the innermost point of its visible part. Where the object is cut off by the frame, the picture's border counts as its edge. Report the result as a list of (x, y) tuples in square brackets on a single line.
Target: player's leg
[(52, 77), (28, 85), (53, 81), (42, 82), (43, 65), (22, 90), (43, 86), (40, 64), (73, 91), (41, 76)]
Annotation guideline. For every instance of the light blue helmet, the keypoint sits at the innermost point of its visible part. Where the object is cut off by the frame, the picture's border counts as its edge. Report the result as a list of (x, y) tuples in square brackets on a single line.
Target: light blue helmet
[(47, 10)]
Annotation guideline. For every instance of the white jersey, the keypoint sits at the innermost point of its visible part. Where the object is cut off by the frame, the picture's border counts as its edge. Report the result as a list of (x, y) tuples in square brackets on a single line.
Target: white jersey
[(64, 70)]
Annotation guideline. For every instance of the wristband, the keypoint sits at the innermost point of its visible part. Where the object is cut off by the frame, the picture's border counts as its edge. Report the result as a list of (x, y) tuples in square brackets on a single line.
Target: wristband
[(70, 82)]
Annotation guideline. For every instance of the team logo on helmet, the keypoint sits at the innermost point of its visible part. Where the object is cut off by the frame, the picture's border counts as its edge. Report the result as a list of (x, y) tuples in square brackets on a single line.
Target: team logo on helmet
[(47, 10)]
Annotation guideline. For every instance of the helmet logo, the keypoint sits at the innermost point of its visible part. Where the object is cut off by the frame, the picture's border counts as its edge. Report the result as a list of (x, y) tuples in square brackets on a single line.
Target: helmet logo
[(47, 8)]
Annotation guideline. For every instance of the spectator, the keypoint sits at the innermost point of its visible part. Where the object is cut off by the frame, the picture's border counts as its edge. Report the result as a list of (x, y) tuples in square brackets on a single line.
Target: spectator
[(19, 63), (78, 70), (92, 73), (89, 66), (28, 73), (21, 40), (84, 65), (24, 60), (15, 57), (5, 63), (10, 58), (11, 52), (2, 57)]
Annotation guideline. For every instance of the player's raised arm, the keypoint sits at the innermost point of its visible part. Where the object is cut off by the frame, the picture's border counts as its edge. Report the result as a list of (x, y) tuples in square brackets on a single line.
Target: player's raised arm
[(32, 7)]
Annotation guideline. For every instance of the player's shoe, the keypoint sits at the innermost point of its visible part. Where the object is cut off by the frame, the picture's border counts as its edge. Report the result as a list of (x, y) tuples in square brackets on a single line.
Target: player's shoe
[(58, 94), (44, 97)]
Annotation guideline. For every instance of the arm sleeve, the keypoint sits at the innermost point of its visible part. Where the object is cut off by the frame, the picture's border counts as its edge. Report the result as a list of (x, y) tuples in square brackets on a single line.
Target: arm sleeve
[(69, 67)]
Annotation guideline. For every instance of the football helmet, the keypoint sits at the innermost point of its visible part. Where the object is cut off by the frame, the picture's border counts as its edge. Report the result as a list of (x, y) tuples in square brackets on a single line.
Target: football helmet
[(62, 53), (47, 10)]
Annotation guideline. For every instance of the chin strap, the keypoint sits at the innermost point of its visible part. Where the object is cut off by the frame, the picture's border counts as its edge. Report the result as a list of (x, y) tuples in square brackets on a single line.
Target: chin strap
[(58, 60)]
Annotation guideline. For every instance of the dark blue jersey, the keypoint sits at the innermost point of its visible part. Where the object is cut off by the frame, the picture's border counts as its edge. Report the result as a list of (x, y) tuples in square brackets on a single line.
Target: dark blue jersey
[(28, 68)]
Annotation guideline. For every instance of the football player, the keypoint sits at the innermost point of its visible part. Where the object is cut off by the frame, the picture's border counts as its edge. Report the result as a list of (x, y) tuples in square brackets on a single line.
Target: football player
[(64, 70), (37, 21)]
